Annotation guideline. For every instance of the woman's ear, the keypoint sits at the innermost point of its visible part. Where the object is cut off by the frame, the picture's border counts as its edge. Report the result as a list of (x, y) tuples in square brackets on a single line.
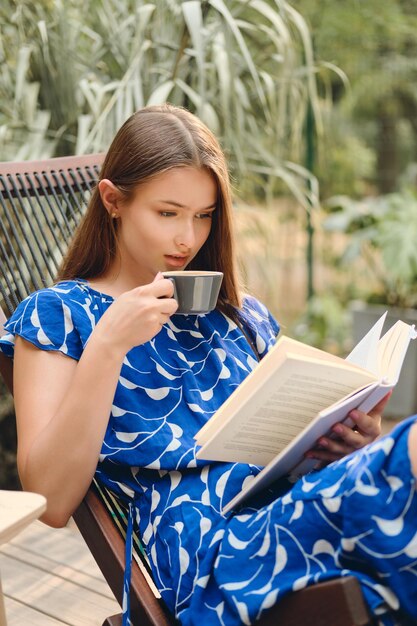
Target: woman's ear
[(110, 196)]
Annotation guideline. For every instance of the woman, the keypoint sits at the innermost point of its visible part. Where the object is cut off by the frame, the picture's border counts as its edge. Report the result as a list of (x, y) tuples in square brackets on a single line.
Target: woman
[(119, 384)]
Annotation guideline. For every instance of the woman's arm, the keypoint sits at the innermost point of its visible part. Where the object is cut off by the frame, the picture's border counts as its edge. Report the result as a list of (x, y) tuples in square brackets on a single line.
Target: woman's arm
[(63, 406), (62, 409)]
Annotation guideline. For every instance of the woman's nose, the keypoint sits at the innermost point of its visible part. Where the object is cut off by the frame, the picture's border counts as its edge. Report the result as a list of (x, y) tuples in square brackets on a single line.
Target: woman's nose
[(185, 236)]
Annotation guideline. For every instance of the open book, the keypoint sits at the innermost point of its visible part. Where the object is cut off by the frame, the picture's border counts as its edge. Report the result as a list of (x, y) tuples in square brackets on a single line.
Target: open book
[(294, 396)]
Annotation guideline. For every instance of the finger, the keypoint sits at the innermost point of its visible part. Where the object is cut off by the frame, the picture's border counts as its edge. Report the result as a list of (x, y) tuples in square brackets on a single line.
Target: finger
[(167, 307), (325, 456), (165, 288), (367, 424), (158, 276), (161, 288), (379, 408), (352, 441), (353, 438)]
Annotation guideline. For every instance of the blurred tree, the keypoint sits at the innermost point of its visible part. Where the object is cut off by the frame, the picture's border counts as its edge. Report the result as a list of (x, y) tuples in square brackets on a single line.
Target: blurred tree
[(375, 44)]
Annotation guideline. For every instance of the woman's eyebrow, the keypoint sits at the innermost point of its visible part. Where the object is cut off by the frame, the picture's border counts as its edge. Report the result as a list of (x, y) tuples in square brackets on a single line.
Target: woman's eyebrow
[(184, 206)]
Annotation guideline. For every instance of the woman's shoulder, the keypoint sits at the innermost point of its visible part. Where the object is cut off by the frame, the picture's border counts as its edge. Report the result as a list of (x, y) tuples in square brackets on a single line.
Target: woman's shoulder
[(60, 317), (254, 306), (258, 312), (259, 322), (66, 292)]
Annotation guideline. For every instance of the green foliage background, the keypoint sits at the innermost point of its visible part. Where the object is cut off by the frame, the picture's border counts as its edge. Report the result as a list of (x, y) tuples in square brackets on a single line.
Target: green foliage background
[(73, 71)]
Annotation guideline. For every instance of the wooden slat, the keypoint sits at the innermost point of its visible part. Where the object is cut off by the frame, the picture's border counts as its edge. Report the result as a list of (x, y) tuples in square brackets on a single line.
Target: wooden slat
[(60, 545), (19, 614), (49, 577), (58, 598), (60, 570)]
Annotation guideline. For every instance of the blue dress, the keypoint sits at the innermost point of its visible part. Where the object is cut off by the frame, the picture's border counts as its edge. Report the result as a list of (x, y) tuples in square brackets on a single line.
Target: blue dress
[(357, 516)]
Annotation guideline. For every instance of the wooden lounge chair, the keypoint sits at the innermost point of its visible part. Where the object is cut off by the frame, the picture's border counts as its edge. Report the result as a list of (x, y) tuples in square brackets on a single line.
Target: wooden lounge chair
[(40, 205)]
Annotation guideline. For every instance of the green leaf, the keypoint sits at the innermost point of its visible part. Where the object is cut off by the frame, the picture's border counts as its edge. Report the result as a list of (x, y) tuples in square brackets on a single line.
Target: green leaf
[(207, 112), (194, 20), (220, 6), (22, 71), (83, 127), (161, 93), (275, 18)]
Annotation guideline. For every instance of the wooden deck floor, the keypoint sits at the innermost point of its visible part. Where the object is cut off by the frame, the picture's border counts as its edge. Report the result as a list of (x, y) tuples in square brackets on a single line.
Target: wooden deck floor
[(50, 579)]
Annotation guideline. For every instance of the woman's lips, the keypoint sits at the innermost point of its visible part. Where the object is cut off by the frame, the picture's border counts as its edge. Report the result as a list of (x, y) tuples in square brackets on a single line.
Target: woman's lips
[(176, 261)]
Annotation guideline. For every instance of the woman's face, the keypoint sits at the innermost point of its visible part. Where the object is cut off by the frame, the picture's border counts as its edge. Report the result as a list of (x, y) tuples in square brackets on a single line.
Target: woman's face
[(166, 222)]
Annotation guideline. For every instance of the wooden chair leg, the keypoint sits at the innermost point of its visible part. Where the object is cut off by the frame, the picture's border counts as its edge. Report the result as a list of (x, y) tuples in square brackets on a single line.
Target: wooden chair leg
[(114, 620)]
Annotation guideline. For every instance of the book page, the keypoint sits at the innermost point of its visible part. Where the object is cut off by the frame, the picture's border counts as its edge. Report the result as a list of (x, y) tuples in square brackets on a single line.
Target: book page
[(365, 353), (263, 424), (392, 349), (254, 382)]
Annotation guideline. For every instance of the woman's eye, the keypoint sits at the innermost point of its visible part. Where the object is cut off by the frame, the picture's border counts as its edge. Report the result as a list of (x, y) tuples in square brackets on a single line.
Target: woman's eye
[(167, 213), (202, 216)]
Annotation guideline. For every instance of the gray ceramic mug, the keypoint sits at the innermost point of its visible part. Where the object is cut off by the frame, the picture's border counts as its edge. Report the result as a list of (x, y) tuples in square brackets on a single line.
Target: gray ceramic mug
[(195, 291)]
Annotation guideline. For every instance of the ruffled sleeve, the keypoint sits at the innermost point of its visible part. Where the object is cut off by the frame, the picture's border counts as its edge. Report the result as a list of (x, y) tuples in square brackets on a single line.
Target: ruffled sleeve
[(47, 320), (259, 324)]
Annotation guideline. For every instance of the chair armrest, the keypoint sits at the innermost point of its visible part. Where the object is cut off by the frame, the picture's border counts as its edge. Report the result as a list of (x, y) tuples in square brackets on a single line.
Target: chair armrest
[(337, 602), (108, 549)]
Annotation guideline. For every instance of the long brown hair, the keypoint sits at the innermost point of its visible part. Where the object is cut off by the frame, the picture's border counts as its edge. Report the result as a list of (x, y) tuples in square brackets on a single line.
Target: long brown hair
[(153, 140)]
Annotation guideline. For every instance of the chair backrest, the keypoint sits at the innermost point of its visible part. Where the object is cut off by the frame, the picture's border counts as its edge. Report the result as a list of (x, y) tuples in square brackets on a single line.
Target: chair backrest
[(40, 205)]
